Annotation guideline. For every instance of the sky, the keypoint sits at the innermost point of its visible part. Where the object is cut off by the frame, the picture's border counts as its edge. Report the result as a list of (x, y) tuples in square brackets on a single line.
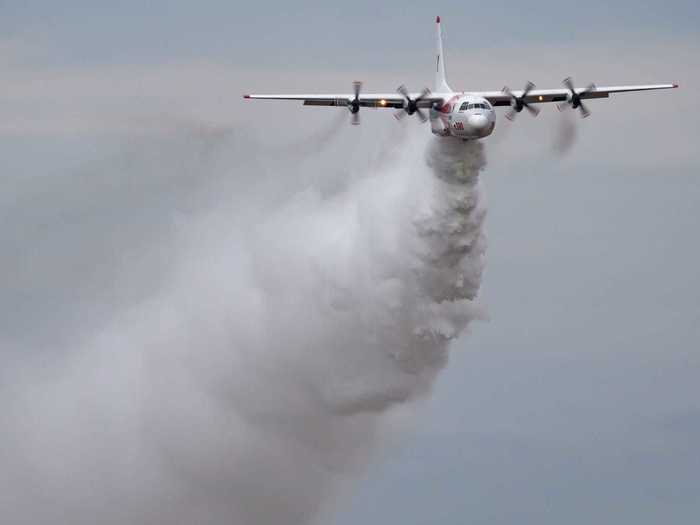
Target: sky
[(577, 399)]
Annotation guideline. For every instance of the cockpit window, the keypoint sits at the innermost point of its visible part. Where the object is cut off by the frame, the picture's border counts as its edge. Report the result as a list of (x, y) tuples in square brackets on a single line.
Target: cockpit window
[(473, 105)]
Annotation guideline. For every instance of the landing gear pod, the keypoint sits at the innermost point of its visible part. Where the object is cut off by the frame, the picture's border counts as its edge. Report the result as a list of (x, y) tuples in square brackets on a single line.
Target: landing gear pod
[(437, 124)]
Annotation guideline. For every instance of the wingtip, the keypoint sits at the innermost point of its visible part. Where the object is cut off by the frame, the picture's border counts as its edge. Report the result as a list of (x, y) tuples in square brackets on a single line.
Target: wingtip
[(246, 96), (675, 85), (437, 19)]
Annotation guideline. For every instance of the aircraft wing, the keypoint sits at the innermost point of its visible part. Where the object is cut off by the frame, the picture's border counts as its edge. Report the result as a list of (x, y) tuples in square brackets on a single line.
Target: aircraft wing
[(367, 100), (535, 96), (496, 98)]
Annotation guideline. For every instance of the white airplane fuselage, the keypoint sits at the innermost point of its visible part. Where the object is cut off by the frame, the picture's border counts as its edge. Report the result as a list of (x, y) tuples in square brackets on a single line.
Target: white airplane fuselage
[(463, 116)]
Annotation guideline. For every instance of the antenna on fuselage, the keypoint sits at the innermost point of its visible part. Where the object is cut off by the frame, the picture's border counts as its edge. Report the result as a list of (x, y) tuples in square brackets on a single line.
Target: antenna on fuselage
[(440, 76)]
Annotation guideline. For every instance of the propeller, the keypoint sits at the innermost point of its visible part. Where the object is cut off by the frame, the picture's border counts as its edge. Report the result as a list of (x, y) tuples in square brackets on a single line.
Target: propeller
[(354, 104), (574, 99), (410, 106), (518, 103)]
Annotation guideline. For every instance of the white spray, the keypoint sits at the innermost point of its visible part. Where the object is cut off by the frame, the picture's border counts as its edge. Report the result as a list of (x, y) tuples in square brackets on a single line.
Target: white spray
[(259, 374)]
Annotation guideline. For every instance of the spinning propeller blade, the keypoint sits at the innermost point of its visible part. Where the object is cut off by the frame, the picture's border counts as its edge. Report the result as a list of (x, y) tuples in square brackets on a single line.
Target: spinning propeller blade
[(410, 105), (354, 104), (574, 100), (517, 104)]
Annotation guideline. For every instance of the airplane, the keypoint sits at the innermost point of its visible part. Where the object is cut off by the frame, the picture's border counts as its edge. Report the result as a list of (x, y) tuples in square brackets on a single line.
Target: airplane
[(468, 115)]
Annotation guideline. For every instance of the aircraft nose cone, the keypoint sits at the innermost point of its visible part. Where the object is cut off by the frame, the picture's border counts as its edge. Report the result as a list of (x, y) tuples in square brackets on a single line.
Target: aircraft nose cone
[(478, 122)]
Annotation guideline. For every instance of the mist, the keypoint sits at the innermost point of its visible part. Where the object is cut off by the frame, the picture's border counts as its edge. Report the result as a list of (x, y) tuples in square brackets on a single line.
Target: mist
[(198, 329)]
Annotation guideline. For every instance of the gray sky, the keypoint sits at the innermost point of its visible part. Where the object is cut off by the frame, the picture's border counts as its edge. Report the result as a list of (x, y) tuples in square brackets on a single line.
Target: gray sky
[(578, 401)]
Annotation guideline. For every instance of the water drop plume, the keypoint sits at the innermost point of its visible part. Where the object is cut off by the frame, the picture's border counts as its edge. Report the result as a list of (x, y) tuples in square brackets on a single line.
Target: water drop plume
[(227, 356)]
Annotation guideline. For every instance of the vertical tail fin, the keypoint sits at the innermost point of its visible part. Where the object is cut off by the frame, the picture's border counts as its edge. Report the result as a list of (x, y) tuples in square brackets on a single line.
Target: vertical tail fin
[(440, 78)]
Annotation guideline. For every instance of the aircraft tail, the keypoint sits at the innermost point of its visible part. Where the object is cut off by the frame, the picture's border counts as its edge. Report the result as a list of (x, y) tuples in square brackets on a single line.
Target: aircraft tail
[(440, 77)]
